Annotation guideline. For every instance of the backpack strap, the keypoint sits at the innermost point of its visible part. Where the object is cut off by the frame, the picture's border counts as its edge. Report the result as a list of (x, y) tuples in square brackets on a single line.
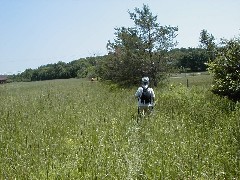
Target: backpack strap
[(145, 88)]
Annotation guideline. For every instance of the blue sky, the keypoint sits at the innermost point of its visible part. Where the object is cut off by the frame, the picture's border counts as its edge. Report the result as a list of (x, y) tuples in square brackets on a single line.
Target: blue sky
[(40, 32)]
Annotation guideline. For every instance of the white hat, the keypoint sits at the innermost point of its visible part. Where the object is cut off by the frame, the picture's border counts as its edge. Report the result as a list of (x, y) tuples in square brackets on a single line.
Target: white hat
[(145, 79), (145, 82)]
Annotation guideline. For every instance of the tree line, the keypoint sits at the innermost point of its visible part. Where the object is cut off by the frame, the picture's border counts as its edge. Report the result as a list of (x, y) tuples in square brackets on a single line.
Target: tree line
[(178, 60)]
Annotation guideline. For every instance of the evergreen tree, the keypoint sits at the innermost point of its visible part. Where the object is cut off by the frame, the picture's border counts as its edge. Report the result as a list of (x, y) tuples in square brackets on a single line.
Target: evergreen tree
[(207, 43), (140, 50)]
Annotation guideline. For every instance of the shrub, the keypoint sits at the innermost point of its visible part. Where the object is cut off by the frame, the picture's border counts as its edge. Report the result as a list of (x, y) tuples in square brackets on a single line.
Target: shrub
[(226, 70)]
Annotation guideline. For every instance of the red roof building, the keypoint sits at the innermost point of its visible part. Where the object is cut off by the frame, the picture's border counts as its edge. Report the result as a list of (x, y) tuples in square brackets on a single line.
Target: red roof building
[(3, 79)]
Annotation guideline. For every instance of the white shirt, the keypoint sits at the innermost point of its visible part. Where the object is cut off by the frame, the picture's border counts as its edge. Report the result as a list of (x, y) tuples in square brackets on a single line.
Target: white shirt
[(138, 94)]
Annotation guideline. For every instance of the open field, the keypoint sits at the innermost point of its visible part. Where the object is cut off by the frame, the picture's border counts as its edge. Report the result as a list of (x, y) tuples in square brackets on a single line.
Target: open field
[(192, 79), (77, 129)]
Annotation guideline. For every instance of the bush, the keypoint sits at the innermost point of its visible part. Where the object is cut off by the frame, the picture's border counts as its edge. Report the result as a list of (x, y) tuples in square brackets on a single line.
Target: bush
[(226, 70)]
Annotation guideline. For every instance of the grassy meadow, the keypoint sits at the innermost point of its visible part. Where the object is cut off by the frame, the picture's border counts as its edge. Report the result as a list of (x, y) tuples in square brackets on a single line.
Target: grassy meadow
[(77, 129)]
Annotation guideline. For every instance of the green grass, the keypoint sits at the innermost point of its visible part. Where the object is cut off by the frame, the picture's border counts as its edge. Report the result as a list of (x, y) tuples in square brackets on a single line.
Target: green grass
[(76, 129), (202, 79)]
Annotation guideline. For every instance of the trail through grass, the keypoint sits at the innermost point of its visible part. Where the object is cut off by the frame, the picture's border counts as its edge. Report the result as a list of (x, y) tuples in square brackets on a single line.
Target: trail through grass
[(76, 129)]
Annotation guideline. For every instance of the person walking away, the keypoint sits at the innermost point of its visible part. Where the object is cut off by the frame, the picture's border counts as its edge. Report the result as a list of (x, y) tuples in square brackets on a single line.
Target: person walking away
[(146, 97)]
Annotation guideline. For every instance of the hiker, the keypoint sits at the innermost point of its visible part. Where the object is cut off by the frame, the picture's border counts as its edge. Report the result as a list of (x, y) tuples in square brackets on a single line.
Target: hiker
[(145, 96)]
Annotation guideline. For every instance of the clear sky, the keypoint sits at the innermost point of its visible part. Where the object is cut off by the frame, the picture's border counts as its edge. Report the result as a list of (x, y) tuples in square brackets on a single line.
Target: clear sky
[(40, 32)]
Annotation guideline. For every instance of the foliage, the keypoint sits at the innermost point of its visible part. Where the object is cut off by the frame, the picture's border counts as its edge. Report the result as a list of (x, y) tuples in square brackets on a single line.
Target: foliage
[(226, 70), (207, 43), (140, 50), (84, 67), (191, 59), (75, 129)]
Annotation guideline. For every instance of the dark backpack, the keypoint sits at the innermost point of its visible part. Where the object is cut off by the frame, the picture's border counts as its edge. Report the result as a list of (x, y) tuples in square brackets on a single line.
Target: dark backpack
[(146, 96)]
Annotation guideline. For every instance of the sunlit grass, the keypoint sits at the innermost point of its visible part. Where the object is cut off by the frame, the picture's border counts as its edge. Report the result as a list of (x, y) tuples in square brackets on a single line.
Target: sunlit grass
[(192, 79), (76, 129)]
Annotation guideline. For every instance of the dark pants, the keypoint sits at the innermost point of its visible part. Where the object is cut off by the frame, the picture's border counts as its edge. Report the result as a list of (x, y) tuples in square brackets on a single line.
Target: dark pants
[(144, 110)]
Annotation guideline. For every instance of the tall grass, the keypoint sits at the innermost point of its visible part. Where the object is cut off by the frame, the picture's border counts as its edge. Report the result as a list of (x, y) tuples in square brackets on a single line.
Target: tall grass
[(75, 129)]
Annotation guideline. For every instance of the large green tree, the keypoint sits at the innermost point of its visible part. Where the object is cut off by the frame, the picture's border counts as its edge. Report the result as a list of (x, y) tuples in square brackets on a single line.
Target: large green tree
[(224, 64), (140, 50), (226, 69)]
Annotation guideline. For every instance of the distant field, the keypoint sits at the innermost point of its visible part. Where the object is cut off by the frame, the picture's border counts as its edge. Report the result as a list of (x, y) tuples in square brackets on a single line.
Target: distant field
[(192, 79), (77, 129)]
